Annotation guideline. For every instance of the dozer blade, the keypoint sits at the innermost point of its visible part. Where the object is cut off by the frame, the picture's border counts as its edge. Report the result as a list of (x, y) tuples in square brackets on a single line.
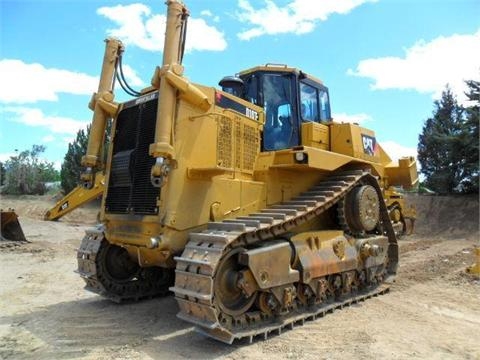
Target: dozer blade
[(11, 229)]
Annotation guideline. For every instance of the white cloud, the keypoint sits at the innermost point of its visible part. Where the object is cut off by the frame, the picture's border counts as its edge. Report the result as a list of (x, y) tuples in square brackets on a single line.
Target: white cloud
[(297, 17), (427, 66), (351, 118), (397, 151), (201, 36), (36, 117), (48, 138), (28, 83), (6, 156), (138, 26), (208, 13)]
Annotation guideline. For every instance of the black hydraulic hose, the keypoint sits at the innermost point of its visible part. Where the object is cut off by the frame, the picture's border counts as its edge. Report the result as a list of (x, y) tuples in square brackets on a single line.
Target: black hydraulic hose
[(115, 76), (123, 81), (183, 36), (120, 81)]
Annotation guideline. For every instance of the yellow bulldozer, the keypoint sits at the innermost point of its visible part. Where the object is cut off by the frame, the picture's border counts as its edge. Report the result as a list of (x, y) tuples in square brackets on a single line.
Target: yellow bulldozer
[(249, 203)]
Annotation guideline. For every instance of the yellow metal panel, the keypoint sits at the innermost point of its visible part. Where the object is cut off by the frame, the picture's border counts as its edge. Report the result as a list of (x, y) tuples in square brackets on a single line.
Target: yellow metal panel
[(341, 138), (326, 160), (405, 174), (318, 161), (316, 135), (121, 230), (196, 141), (354, 141), (384, 158)]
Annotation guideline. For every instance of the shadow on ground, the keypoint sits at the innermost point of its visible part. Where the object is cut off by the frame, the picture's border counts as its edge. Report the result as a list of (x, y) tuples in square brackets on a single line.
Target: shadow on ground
[(76, 328)]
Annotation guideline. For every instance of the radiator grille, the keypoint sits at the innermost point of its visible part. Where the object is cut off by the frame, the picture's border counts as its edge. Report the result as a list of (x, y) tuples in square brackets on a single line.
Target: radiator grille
[(224, 142), (129, 189), (250, 146), (237, 144)]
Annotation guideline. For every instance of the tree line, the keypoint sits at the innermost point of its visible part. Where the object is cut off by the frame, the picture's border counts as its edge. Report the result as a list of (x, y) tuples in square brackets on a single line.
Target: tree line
[(26, 173), (448, 145)]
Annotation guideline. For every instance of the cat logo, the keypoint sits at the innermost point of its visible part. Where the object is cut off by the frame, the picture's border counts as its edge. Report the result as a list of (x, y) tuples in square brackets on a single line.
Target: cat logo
[(64, 206), (369, 145)]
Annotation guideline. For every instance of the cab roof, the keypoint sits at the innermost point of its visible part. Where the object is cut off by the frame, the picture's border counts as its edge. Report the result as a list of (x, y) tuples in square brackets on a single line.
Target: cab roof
[(280, 68)]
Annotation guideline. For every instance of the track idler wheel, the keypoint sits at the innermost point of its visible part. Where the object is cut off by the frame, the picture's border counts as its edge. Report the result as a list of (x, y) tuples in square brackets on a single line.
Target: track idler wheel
[(116, 264), (122, 278), (360, 209)]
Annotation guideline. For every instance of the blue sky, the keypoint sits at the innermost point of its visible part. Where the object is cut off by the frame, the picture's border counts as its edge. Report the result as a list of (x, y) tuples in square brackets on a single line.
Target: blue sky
[(384, 61)]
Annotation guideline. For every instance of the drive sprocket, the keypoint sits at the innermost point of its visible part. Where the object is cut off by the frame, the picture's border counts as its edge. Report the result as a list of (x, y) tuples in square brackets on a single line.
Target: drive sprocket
[(359, 210)]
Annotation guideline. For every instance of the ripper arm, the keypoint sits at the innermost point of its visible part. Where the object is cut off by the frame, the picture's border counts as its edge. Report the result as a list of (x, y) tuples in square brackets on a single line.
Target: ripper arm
[(103, 108)]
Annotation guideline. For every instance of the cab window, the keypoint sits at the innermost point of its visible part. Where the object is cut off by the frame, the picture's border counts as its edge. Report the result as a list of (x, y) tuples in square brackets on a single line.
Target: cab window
[(251, 85), (314, 103), (309, 103), (324, 105)]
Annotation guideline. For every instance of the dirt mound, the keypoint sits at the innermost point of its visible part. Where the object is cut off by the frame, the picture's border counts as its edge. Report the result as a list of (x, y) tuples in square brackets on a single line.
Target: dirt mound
[(446, 216), (35, 207)]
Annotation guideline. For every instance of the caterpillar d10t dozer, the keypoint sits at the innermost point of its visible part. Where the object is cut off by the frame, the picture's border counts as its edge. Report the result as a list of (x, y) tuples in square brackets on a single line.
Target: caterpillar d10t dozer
[(248, 203)]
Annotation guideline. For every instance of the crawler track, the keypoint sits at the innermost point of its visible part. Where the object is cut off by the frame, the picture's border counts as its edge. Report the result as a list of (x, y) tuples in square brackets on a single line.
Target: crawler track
[(143, 282), (197, 266)]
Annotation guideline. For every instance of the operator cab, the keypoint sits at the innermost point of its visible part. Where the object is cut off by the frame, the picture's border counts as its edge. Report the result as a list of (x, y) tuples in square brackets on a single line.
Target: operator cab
[(288, 97)]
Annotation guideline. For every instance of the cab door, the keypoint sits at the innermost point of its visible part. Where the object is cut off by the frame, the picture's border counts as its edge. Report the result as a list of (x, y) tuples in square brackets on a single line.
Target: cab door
[(281, 130)]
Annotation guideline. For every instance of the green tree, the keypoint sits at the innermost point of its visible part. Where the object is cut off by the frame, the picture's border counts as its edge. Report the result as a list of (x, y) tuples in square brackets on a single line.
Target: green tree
[(26, 173), (445, 147), (471, 138), (2, 173), (72, 166)]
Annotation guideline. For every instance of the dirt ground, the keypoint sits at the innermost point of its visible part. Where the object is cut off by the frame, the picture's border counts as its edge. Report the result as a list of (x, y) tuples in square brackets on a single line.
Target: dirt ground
[(432, 311)]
